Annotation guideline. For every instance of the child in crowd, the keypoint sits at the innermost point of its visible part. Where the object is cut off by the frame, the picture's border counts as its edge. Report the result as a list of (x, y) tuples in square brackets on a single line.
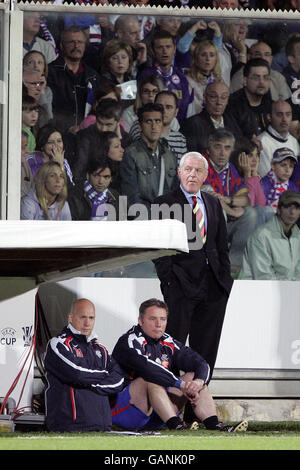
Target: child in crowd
[(30, 115), (278, 179), (107, 90), (48, 200), (246, 159)]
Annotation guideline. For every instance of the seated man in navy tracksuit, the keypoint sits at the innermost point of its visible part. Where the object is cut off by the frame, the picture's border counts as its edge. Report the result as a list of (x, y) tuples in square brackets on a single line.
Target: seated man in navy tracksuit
[(156, 393), (81, 376)]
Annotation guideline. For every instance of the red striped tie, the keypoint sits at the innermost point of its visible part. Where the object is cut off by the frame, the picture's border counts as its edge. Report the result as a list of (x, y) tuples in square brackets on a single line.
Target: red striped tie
[(199, 218)]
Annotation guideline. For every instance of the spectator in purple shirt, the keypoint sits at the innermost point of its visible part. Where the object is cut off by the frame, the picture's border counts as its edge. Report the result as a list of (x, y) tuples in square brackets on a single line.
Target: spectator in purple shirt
[(172, 77)]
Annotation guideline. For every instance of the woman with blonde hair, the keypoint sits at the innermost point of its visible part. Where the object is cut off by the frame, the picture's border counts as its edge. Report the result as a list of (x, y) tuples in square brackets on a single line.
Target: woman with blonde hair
[(48, 199), (205, 68)]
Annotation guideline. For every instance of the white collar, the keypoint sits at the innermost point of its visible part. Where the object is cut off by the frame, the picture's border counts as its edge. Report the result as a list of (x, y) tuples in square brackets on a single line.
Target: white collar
[(77, 332)]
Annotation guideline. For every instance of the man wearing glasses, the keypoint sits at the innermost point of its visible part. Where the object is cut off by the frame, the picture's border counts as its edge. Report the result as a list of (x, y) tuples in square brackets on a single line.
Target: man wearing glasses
[(32, 82), (279, 88), (71, 81), (33, 85), (197, 128)]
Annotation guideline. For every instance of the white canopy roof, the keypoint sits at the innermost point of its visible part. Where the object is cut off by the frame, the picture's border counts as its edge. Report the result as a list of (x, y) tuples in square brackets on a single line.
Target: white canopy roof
[(56, 250)]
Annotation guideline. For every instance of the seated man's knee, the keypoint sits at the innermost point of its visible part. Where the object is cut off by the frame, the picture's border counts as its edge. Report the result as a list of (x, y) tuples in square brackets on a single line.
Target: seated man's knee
[(139, 384), (139, 395), (188, 376), (140, 388), (155, 388)]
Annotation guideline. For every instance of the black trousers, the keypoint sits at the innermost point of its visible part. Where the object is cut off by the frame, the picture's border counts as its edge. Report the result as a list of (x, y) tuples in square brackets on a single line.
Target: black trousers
[(200, 319)]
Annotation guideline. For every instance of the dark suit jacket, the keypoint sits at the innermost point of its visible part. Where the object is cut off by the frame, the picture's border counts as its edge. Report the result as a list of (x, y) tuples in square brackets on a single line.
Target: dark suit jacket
[(188, 269), (197, 129)]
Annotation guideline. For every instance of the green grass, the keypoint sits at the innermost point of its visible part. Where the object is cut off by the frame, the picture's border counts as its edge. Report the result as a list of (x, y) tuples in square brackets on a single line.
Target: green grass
[(260, 436)]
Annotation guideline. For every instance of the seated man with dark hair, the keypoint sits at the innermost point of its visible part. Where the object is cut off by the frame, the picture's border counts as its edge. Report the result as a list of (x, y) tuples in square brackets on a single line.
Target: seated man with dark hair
[(279, 88), (156, 393), (92, 198), (108, 115), (149, 166), (175, 139), (251, 105), (164, 49)]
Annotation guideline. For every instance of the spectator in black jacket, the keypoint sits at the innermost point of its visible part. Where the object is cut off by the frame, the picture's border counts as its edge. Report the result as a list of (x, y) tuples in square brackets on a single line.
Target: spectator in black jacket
[(157, 392), (88, 141), (72, 82), (197, 129), (251, 105), (93, 198)]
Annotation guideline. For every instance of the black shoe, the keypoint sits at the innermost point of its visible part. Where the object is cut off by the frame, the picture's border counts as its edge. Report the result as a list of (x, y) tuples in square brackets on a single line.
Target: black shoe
[(180, 427), (242, 426), (188, 414), (187, 427)]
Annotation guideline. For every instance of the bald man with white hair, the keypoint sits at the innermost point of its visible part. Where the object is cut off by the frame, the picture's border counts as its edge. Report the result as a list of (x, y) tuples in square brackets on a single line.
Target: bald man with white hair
[(196, 285)]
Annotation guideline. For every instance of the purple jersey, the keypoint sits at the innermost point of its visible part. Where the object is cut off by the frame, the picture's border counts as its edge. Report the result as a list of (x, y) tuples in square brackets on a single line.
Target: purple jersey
[(175, 81)]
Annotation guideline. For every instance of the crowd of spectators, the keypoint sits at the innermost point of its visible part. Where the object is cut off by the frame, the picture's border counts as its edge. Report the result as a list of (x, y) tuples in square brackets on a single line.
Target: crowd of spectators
[(112, 102)]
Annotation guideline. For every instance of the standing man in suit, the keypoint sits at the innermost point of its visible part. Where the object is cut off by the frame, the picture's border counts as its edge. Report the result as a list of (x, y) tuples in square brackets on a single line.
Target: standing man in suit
[(196, 285)]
